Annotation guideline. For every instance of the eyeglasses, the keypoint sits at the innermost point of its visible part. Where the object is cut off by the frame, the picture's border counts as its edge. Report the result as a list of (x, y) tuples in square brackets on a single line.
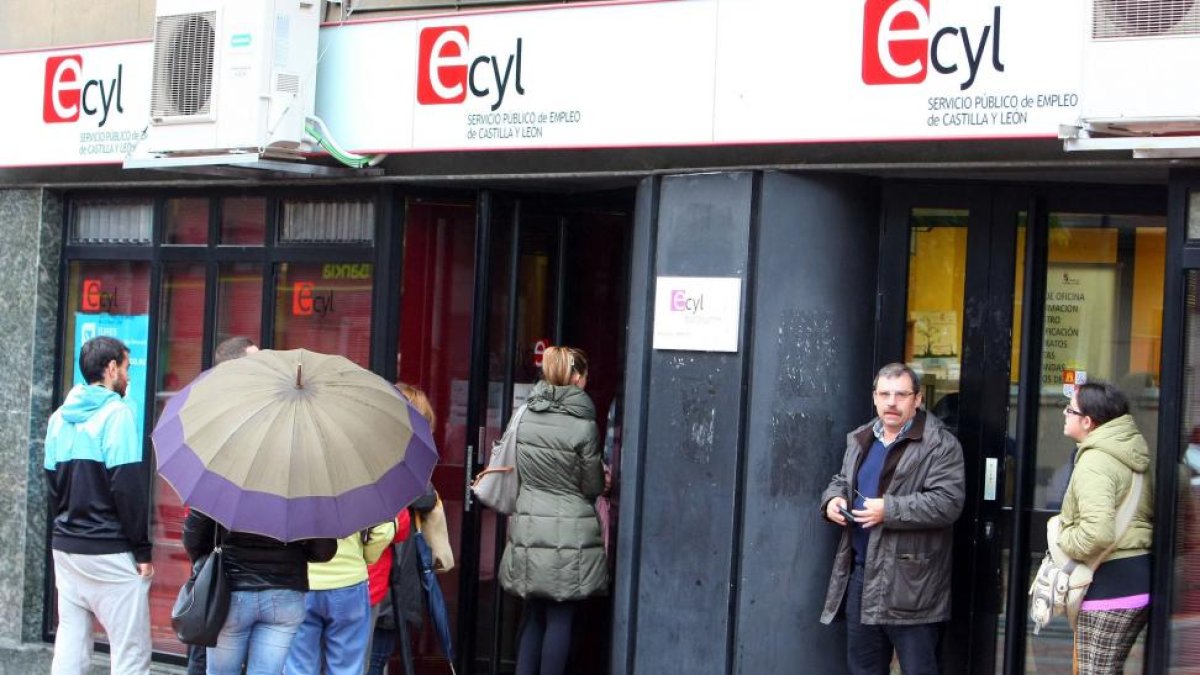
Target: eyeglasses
[(1071, 411), (896, 395)]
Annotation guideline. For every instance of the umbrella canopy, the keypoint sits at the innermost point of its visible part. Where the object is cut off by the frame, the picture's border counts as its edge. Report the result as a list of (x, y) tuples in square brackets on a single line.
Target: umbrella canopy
[(294, 445), (433, 597)]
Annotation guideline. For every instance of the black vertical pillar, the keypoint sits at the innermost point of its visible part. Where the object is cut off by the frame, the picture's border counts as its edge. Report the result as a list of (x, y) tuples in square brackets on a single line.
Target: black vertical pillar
[(810, 385), (691, 444), (722, 556)]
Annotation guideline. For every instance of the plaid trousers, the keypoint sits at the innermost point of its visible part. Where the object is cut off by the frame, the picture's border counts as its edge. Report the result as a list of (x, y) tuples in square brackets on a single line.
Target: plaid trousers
[(1103, 639)]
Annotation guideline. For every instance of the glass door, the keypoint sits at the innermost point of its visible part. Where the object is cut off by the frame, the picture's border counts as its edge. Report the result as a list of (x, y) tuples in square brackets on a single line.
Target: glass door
[(942, 313), (1097, 276), (486, 287), (994, 365)]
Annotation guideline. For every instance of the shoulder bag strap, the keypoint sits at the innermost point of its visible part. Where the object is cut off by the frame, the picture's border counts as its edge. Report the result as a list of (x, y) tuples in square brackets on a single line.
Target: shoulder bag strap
[(1124, 518)]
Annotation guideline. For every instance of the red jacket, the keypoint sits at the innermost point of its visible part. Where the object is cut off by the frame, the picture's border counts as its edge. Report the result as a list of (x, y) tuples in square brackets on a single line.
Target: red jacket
[(378, 573)]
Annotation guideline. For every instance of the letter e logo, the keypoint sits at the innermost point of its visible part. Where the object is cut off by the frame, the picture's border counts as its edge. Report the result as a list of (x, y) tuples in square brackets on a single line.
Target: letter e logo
[(442, 65), (895, 41), (90, 296), (64, 75), (302, 298)]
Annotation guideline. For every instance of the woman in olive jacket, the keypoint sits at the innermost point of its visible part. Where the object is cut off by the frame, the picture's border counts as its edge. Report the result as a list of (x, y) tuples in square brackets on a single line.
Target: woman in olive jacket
[(1111, 452), (555, 554)]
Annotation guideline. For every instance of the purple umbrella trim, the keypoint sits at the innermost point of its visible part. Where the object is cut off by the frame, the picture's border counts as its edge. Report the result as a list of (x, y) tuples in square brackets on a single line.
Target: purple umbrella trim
[(277, 516)]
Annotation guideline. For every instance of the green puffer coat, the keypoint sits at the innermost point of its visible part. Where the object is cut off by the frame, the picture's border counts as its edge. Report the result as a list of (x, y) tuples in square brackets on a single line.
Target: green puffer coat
[(554, 546), (1104, 468)]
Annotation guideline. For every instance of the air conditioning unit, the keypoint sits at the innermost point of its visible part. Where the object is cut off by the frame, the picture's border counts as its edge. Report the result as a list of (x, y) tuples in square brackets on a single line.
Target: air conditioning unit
[(232, 76), (1137, 54)]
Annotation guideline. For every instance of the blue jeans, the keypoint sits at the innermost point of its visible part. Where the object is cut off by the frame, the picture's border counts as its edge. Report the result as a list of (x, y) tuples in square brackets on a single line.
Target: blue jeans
[(869, 647), (337, 625), (258, 632)]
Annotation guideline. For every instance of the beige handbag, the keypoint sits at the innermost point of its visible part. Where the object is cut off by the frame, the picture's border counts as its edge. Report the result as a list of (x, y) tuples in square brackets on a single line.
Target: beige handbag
[(1061, 582), (437, 535)]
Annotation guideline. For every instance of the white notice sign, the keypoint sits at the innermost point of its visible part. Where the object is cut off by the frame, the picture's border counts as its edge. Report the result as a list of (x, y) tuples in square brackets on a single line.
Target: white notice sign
[(700, 314)]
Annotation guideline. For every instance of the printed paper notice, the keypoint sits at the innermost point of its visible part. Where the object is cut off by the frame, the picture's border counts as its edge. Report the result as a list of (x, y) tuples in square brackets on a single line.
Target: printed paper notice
[(701, 314)]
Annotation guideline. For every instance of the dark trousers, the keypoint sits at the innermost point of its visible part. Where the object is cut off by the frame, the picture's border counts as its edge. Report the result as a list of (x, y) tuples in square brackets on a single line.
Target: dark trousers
[(545, 637), (869, 648)]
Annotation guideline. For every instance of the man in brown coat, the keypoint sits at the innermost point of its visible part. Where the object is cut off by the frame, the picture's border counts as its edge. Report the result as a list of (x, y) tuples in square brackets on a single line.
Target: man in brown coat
[(900, 489)]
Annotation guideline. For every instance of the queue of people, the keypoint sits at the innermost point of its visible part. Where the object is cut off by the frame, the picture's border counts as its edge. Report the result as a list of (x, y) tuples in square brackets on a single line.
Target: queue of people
[(318, 605)]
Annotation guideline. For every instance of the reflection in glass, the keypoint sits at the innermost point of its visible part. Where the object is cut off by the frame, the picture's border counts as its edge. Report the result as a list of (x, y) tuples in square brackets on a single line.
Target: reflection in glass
[(1185, 605), (1102, 320), (325, 307), (243, 221), (1193, 215), (936, 281), (186, 221), (181, 340), (112, 221), (239, 301), (434, 354)]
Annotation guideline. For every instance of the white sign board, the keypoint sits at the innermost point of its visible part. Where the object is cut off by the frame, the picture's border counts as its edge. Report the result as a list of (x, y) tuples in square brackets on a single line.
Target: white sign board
[(640, 73), (701, 314), (85, 105)]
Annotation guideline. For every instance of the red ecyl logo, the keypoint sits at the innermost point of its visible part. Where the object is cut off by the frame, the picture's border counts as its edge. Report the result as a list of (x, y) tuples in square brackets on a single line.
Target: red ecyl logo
[(62, 91), (307, 302), (93, 297), (898, 47), (66, 95), (446, 73)]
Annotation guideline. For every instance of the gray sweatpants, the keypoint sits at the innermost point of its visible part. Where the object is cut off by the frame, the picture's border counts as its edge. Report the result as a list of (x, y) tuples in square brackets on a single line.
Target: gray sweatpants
[(106, 587)]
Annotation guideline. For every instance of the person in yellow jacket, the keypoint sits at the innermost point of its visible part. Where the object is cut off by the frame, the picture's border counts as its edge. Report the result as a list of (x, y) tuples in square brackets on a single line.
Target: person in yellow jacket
[(1111, 451), (337, 622)]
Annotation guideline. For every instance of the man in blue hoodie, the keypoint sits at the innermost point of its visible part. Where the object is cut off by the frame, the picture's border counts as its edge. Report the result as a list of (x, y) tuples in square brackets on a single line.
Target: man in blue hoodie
[(100, 496)]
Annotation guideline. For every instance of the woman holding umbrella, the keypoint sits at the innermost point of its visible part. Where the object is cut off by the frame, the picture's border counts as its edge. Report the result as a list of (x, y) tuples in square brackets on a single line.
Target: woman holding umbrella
[(555, 553), (268, 579)]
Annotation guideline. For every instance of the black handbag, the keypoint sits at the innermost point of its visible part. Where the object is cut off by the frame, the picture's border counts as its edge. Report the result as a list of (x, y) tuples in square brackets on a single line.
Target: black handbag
[(203, 601)]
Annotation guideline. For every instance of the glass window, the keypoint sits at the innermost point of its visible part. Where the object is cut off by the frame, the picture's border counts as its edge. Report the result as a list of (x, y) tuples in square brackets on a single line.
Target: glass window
[(324, 221), (1185, 608), (243, 221), (1102, 320), (186, 221), (434, 354), (325, 307), (936, 282), (180, 345), (112, 221), (1193, 215), (239, 301)]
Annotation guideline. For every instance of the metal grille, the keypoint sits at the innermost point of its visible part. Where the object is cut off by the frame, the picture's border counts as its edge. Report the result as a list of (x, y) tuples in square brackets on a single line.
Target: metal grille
[(306, 222), (112, 222), (1144, 18), (183, 65), (287, 83)]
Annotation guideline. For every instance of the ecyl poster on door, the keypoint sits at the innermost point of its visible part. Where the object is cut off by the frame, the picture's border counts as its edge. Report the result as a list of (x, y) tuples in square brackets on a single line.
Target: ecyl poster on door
[(700, 314), (134, 331)]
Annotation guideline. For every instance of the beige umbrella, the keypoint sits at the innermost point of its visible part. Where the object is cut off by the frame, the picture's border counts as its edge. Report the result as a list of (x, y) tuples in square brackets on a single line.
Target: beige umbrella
[(294, 445)]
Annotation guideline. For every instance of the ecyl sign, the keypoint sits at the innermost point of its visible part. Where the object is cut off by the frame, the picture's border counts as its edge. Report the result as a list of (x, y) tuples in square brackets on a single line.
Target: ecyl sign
[(697, 313), (93, 297), (67, 95), (899, 44), (306, 301)]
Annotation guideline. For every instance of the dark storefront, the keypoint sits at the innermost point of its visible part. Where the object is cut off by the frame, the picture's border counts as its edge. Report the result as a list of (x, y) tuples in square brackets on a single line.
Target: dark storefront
[(864, 216), (721, 456)]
